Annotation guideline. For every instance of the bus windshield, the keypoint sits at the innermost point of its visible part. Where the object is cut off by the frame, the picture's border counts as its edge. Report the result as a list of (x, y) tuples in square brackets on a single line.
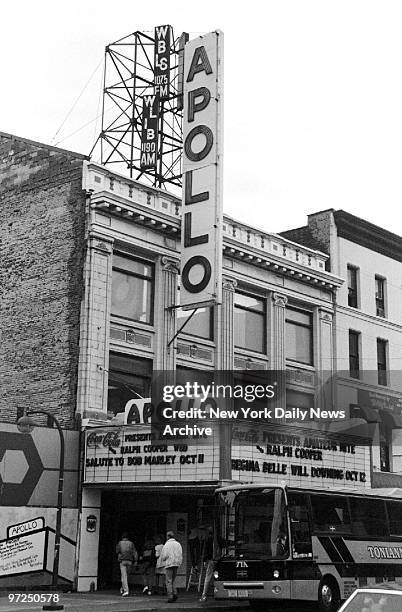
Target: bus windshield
[(253, 523)]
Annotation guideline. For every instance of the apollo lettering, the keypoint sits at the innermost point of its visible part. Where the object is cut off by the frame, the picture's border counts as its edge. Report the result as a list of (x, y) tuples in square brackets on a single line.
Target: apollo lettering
[(200, 205), (28, 526)]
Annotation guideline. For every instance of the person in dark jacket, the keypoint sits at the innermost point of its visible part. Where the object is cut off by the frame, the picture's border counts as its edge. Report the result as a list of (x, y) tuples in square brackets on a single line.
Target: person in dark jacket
[(208, 559), (126, 556)]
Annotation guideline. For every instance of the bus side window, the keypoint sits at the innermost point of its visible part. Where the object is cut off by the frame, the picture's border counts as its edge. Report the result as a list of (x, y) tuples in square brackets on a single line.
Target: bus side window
[(395, 518), (330, 513), (301, 535), (368, 517)]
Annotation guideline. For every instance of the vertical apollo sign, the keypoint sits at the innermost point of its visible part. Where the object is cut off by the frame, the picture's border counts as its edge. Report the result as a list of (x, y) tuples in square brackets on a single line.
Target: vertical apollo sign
[(201, 266)]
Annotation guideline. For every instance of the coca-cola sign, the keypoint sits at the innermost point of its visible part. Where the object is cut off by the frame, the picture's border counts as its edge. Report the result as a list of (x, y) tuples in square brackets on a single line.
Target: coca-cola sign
[(98, 439)]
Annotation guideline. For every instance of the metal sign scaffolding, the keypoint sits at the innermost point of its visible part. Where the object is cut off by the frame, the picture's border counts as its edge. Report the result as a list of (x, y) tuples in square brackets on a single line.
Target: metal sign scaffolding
[(132, 73)]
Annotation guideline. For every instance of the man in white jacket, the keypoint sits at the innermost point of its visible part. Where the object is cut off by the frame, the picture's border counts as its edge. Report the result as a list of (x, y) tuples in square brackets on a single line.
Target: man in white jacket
[(171, 559)]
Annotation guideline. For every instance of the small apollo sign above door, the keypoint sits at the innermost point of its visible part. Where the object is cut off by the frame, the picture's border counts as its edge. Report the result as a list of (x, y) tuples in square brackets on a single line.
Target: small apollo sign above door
[(201, 244)]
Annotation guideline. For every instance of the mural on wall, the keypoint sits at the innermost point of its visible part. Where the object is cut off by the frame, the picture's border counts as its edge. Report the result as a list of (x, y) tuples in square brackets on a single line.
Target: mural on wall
[(29, 472)]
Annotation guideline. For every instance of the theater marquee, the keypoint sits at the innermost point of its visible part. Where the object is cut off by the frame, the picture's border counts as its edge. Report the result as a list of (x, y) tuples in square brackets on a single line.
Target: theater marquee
[(300, 457), (131, 454), (202, 172)]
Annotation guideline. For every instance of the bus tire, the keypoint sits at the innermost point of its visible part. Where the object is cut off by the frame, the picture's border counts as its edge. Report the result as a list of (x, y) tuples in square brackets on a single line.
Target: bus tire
[(328, 595), (257, 605)]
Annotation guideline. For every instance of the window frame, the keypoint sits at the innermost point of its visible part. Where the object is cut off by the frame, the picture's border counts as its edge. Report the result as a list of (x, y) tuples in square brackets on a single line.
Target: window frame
[(393, 536), (210, 337), (382, 368), (302, 310), (380, 301), (353, 290), (116, 373), (343, 530), (356, 334), (143, 277), (370, 501), (262, 313)]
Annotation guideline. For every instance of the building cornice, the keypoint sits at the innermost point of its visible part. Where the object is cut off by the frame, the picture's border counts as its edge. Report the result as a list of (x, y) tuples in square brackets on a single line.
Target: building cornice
[(368, 235)]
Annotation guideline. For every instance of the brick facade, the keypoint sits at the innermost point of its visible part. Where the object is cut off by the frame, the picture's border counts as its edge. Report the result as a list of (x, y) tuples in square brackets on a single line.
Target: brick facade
[(42, 213)]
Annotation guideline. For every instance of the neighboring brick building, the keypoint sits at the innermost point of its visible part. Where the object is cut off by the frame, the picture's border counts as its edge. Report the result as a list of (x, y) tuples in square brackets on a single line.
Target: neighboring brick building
[(42, 213), (42, 216)]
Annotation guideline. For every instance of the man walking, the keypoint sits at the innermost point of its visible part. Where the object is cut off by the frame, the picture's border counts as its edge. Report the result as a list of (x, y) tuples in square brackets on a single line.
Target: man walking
[(171, 559), (126, 555), (208, 560)]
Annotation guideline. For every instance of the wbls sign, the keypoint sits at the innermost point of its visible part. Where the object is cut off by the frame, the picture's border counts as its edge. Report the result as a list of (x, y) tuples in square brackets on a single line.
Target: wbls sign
[(202, 172)]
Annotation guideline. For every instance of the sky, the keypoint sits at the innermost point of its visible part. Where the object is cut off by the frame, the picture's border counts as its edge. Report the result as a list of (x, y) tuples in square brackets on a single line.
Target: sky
[(312, 94)]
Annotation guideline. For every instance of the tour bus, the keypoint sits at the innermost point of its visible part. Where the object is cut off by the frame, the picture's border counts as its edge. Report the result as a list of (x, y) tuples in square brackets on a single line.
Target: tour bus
[(278, 543)]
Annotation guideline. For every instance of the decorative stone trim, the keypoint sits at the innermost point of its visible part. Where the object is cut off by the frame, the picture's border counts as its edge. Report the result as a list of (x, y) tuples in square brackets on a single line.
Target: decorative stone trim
[(279, 300), (229, 284), (169, 264)]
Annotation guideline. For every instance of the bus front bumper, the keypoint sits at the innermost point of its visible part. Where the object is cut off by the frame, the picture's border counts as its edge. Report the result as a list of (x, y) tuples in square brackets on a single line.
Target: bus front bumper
[(252, 589)]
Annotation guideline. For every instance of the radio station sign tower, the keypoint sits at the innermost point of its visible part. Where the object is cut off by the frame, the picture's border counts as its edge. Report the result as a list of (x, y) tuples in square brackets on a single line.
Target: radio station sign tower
[(143, 107), (162, 119)]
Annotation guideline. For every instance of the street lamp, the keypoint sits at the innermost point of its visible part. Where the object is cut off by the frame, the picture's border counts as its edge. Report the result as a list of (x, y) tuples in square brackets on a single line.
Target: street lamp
[(25, 425)]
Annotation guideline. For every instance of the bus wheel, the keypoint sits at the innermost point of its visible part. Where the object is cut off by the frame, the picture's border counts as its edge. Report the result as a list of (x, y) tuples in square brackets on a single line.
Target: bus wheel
[(328, 595), (258, 605)]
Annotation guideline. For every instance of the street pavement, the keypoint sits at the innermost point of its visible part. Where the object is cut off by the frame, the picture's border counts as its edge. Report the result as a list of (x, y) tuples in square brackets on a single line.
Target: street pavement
[(111, 601), (105, 601)]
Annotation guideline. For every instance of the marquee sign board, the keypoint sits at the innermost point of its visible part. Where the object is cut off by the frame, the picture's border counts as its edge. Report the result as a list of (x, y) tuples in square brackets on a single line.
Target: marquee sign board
[(300, 457), (201, 246), (132, 454)]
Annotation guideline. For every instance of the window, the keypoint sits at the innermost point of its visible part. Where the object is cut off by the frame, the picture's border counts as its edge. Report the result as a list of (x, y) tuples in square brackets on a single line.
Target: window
[(129, 378), (297, 399), (382, 361), (200, 324), (299, 336), (301, 536), (132, 289), (249, 322), (380, 296), (354, 359), (352, 286), (368, 517), (331, 513), (385, 448), (395, 518)]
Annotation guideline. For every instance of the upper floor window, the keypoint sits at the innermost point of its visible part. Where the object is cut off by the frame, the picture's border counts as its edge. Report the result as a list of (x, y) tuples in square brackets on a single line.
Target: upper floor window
[(299, 335), (382, 361), (352, 287), (249, 322), (132, 289), (129, 378), (199, 324), (380, 296), (354, 354)]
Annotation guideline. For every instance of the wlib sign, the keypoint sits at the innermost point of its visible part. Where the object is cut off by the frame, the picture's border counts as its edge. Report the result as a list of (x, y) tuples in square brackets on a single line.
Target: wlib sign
[(202, 172)]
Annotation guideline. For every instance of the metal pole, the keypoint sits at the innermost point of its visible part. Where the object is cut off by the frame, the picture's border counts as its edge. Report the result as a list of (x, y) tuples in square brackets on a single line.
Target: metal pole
[(56, 559)]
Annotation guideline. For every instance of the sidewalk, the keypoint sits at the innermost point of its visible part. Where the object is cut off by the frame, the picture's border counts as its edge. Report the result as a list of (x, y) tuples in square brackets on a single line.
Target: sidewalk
[(111, 601)]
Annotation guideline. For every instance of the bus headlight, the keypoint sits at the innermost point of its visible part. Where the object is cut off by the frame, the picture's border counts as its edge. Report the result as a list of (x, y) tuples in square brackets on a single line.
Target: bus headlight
[(276, 574), (216, 575)]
